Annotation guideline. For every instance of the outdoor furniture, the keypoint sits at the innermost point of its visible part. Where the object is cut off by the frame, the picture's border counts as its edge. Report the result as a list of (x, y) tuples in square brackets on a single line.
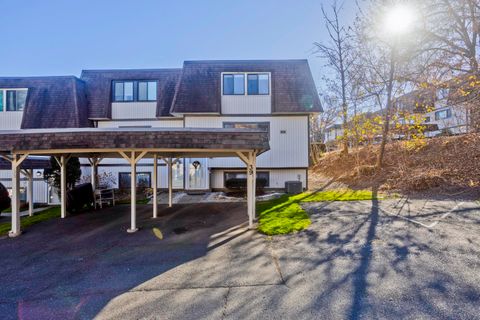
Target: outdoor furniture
[(104, 196)]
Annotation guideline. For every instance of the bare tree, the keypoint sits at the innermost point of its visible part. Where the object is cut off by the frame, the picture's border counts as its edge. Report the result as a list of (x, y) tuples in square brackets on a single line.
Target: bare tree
[(338, 53), (453, 27), (386, 62)]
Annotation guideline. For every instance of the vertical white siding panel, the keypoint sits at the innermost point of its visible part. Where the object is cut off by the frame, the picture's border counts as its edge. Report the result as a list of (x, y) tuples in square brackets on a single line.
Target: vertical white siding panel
[(142, 123), (289, 149), (11, 120), (258, 104), (134, 110)]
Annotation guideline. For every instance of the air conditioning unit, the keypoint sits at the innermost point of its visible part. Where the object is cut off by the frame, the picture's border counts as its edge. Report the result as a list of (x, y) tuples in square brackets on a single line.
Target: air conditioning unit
[(293, 187)]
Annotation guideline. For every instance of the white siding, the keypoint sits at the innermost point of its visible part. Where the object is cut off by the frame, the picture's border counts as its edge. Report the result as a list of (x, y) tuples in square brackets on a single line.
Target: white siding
[(40, 187), (113, 171), (134, 110), (11, 120), (258, 104), (456, 124), (142, 123), (277, 177), (287, 150)]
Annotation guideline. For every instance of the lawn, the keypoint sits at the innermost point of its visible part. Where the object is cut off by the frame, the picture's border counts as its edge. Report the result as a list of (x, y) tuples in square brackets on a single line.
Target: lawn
[(285, 215), (50, 213)]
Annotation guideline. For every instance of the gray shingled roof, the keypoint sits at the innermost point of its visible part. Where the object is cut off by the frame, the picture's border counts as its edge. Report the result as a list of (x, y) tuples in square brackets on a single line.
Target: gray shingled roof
[(293, 86), (52, 102), (133, 138), (29, 163), (99, 88)]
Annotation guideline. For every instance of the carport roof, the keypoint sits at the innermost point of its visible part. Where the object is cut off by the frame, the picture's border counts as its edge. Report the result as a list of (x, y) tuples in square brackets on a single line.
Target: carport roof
[(175, 142), (29, 163)]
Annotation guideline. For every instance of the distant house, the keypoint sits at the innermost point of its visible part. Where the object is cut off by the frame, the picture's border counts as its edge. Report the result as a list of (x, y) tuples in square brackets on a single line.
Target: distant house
[(276, 96), (332, 135), (444, 111)]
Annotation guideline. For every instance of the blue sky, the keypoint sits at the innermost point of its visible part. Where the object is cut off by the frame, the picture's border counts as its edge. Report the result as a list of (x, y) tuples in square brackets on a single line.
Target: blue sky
[(63, 37)]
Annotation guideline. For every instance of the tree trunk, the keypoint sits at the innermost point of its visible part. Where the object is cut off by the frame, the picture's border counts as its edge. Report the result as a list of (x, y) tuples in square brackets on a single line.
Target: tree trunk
[(386, 124)]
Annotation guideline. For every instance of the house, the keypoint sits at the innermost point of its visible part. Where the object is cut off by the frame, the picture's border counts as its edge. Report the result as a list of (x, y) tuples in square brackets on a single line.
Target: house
[(443, 111), (276, 96), (332, 135)]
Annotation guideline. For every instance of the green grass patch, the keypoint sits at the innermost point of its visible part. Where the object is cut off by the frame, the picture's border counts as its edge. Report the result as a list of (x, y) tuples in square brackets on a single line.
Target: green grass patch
[(285, 215), (26, 221)]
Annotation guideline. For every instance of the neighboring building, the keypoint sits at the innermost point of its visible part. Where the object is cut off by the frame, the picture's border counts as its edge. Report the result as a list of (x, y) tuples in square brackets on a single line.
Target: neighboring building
[(273, 95), (333, 133), (443, 112)]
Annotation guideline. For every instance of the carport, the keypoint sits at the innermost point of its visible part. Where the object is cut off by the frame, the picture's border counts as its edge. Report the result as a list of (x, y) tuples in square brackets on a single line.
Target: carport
[(131, 144)]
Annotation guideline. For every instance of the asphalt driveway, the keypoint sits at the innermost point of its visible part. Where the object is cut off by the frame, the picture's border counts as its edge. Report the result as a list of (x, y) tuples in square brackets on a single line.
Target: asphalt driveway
[(393, 259)]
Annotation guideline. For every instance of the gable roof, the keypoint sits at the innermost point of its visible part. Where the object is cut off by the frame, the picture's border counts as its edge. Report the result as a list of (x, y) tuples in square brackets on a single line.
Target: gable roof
[(293, 88), (99, 88), (52, 102)]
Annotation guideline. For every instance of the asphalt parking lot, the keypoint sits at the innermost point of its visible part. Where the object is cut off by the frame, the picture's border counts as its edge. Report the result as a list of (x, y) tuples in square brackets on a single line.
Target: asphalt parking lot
[(409, 259)]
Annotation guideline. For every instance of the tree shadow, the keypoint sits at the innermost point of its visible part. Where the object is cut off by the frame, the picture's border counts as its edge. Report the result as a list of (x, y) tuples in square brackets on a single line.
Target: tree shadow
[(360, 285), (72, 268)]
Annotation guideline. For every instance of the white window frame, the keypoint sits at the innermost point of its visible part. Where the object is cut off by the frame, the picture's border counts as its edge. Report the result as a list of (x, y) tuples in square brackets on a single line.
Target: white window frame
[(245, 93), (4, 98)]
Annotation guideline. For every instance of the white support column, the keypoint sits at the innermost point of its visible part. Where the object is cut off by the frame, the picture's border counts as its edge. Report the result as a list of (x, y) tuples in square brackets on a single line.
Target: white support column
[(250, 192), (155, 185), (133, 195), (30, 191), (250, 161), (170, 178), (93, 166), (254, 178), (15, 231), (63, 186)]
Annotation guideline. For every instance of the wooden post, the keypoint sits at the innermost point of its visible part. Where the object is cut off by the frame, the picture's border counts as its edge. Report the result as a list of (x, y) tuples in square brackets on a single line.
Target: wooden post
[(133, 194), (170, 179), (63, 187), (15, 231), (254, 178), (155, 185), (30, 191)]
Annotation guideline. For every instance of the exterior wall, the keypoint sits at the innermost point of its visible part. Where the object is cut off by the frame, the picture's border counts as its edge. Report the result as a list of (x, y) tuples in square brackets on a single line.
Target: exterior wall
[(245, 104), (134, 110), (277, 177), (456, 124), (287, 150), (40, 187), (11, 120), (154, 123)]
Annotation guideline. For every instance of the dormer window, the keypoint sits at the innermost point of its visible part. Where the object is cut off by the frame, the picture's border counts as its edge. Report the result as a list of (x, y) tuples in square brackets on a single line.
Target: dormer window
[(258, 84), (234, 84), (134, 90), (13, 99), (255, 84)]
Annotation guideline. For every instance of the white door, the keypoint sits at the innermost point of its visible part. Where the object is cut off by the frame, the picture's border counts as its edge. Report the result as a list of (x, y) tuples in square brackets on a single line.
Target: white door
[(197, 174)]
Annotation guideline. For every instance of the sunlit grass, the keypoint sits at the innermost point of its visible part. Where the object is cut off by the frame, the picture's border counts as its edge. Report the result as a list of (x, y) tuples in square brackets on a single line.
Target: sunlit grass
[(50, 213), (285, 215)]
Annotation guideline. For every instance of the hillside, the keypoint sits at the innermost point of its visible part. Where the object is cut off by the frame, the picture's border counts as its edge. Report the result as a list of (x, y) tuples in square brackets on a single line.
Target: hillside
[(447, 164)]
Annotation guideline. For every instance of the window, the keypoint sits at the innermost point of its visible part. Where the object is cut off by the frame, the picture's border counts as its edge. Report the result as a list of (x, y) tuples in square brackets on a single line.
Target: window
[(264, 126), (143, 180), (258, 84), (261, 175), (127, 91), (13, 99), (442, 93), (443, 114), (234, 84), (147, 91)]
